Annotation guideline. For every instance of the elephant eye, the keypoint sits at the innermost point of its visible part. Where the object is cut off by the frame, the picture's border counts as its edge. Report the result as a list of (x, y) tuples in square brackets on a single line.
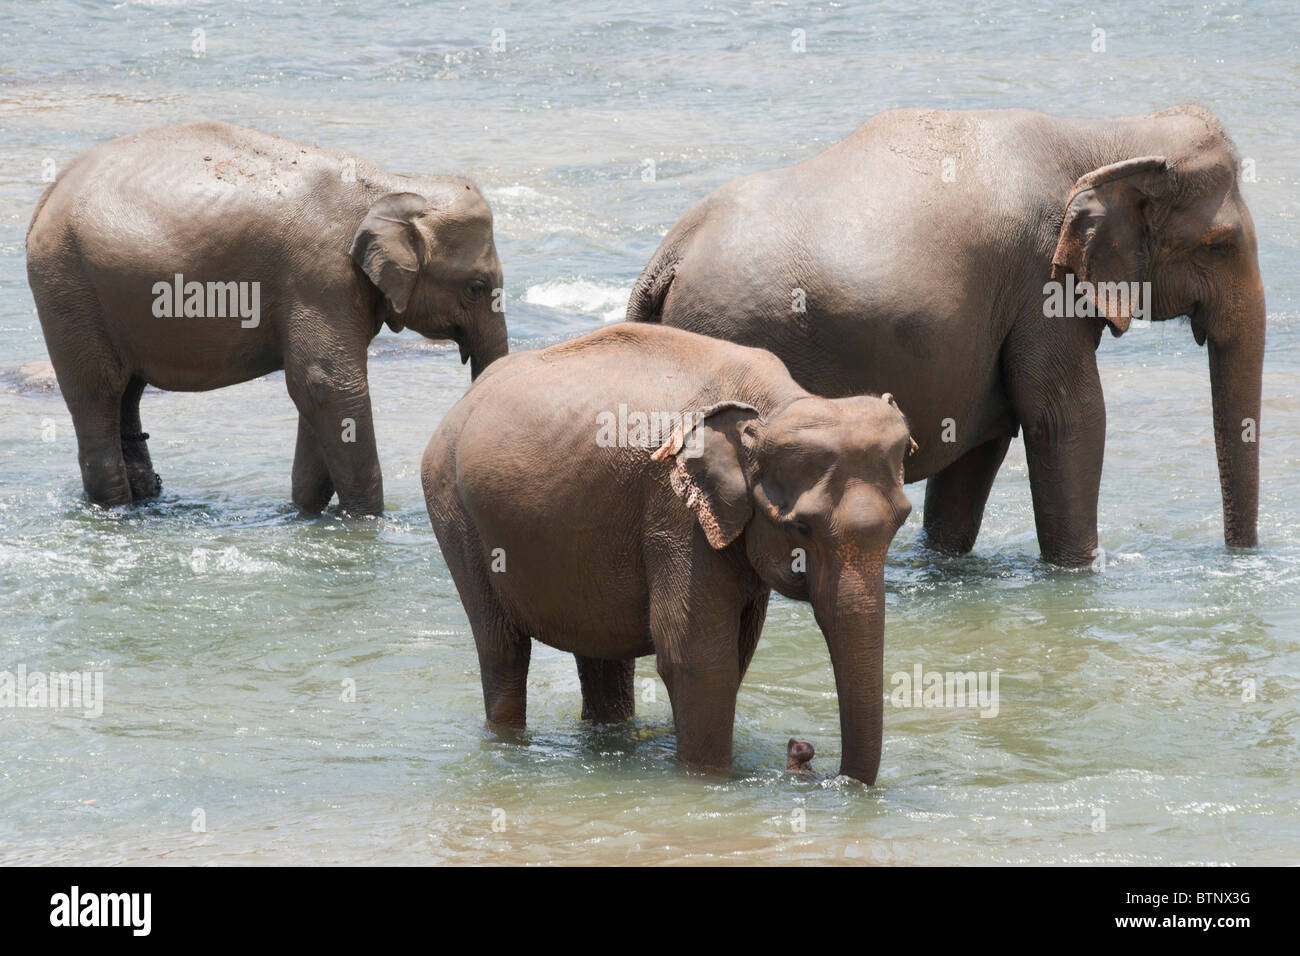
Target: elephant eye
[(801, 528), (477, 286), (1220, 241)]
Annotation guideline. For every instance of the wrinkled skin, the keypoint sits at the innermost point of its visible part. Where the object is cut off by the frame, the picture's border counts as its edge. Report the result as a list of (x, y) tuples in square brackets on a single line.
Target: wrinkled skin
[(336, 246), (922, 245), (671, 544)]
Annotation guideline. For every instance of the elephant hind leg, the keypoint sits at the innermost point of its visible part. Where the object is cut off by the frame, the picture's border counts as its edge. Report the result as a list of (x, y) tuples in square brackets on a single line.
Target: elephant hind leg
[(955, 497), (95, 401), (91, 376), (312, 486), (608, 693), (143, 480), (504, 648), (96, 418), (503, 656)]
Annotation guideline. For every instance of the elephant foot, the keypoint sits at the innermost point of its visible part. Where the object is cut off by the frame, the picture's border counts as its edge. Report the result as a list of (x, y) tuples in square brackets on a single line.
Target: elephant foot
[(144, 481), (945, 542), (607, 690)]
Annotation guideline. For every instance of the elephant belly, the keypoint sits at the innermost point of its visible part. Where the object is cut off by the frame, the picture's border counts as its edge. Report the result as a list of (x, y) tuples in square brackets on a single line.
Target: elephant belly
[(195, 355), (951, 395), (851, 303), (581, 621), (577, 591), (186, 324), (599, 644)]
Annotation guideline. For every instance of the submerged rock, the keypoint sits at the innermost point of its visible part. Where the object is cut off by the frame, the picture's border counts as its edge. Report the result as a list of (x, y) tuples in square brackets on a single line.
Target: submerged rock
[(34, 376)]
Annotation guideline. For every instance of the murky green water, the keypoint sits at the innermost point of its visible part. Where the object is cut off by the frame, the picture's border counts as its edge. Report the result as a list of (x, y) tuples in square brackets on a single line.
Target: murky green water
[(229, 631)]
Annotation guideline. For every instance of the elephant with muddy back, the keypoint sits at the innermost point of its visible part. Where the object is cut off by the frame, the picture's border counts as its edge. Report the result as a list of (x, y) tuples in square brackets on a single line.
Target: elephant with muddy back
[(641, 490), (928, 254), (198, 256)]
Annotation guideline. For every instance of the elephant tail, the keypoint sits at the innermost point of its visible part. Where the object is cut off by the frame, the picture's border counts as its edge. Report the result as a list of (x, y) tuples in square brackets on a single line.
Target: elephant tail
[(647, 299)]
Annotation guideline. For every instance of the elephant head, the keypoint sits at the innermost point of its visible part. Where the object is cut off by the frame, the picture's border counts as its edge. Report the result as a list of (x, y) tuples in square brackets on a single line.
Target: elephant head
[(435, 264), (1178, 221), (816, 489)]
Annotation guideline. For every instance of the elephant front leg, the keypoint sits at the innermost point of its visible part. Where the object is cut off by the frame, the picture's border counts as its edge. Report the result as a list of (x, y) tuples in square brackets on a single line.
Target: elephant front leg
[(1065, 439), (312, 486), (334, 398), (696, 656), (955, 497), (696, 607), (607, 689), (703, 697)]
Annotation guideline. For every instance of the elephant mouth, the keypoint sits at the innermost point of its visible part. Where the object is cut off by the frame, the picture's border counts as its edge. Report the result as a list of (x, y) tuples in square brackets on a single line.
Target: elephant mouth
[(791, 584), (1196, 319), (461, 338)]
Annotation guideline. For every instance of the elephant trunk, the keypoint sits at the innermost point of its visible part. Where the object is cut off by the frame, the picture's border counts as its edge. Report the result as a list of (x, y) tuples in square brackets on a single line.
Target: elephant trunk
[(849, 603), (1236, 368), (485, 342)]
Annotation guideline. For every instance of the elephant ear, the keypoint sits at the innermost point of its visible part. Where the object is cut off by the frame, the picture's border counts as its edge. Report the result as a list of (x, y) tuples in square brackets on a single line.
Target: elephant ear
[(1105, 234), (912, 446), (388, 247), (708, 452)]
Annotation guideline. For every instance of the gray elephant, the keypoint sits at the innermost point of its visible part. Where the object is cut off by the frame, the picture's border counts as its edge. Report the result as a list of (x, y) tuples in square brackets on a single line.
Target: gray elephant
[(968, 262), (194, 257), (640, 490)]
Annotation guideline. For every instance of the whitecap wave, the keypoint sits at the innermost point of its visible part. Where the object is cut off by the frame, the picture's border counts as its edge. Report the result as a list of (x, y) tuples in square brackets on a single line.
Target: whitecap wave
[(581, 295)]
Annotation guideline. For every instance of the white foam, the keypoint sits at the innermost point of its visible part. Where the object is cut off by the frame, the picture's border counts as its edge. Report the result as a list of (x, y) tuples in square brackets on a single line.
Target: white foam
[(526, 193), (581, 295), (231, 560)]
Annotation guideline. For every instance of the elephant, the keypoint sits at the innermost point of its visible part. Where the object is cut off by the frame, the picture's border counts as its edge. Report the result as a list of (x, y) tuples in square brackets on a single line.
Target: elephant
[(928, 255), (666, 534), (198, 256)]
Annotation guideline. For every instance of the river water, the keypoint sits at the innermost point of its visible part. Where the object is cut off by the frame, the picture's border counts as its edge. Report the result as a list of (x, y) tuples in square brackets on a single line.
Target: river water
[(1147, 712)]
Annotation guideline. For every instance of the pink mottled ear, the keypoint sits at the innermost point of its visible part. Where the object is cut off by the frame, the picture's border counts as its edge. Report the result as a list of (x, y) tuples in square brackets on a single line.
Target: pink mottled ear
[(1105, 233), (707, 453)]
